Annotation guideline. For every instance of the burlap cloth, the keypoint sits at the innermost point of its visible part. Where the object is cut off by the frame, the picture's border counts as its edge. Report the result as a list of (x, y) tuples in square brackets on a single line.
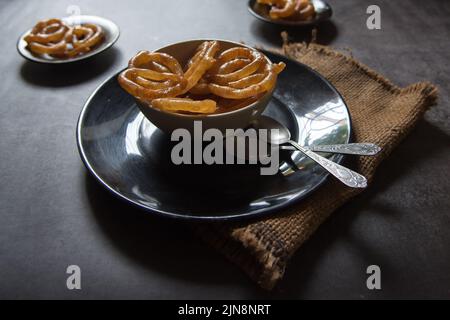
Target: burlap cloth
[(381, 113)]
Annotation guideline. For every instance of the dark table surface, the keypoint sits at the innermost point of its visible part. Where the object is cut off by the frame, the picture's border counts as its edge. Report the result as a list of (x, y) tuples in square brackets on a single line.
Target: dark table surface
[(53, 214)]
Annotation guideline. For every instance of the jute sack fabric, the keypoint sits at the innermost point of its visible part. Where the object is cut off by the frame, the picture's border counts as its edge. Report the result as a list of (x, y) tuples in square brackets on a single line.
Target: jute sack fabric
[(381, 113)]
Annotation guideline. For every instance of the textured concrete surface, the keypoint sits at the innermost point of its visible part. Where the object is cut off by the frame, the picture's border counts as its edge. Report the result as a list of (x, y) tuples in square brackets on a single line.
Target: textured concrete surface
[(53, 214)]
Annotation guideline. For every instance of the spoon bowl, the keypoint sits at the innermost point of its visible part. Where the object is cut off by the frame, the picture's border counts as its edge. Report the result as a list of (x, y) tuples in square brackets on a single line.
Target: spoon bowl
[(278, 133)]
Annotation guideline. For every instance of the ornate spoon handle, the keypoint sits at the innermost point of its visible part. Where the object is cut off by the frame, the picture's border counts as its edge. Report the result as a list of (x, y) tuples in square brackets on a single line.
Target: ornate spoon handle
[(361, 149), (345, 175)]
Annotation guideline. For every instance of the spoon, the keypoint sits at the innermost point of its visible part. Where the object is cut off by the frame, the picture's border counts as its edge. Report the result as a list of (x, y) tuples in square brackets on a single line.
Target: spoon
[(261, 11), (283, 136), (359, 149)]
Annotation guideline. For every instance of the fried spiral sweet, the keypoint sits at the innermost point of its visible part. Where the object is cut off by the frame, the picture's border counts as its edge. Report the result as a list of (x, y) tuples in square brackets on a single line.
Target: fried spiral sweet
[(304, 10), (236, 63), (55, 38), (185, 105), (289, 9), (153, 75), (158, 78), (200, 63), (238, 74), (245, 79), (82, 38), (282, 9), (47, 37)]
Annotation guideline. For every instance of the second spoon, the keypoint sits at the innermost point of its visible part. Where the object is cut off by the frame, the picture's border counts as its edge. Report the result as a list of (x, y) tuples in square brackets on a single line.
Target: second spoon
[(345, 175)]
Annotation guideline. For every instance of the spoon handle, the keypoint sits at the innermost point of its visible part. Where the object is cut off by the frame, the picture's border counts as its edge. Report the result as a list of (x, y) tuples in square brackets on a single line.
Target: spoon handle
[(363, 149), (360, 149), (345, 175)]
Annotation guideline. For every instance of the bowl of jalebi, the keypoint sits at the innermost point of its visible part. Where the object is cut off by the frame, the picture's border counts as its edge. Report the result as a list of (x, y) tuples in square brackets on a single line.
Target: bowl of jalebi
[(223, 84), (291, 12)]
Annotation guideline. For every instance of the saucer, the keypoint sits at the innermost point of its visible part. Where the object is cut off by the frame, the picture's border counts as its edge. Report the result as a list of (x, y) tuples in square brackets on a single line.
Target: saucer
[(110, 29), (131, 158)]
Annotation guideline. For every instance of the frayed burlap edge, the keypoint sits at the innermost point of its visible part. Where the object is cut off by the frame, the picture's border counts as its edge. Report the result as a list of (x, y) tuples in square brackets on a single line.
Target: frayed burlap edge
[(256, 255)]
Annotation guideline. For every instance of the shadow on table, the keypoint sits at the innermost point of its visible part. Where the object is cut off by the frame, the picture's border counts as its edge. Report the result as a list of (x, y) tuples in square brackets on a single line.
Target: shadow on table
[(49, 75), (164, 245), (169, 247), (326, 32)]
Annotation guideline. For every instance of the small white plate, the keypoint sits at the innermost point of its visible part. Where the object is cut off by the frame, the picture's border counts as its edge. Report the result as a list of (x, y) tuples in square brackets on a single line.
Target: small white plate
[(110, 29)]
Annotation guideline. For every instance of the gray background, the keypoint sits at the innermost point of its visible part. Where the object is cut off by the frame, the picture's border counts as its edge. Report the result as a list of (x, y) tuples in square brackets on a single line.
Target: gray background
[(52, 214)]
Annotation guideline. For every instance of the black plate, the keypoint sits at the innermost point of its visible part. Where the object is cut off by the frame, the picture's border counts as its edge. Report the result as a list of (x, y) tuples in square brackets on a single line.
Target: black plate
[(131, 157), (261, 11), (110, 29)]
